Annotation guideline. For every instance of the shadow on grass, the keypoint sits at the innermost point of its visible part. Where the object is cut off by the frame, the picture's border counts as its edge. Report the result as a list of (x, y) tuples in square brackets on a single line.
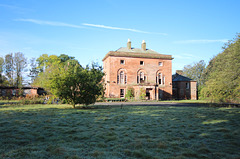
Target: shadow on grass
[(100, 131)]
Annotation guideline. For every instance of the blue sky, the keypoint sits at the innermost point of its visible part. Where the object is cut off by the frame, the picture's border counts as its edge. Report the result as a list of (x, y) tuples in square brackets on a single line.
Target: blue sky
[(189, 30)]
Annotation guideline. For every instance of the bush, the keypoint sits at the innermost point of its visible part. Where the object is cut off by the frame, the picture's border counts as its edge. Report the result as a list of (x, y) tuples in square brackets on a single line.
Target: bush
[(130, 93), (32, 99), (142, 94)]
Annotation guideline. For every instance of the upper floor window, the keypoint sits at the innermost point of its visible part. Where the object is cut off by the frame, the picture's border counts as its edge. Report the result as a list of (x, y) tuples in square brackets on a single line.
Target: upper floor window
[(160, 79), (160, 63), (122, 62), (141, 62), (122, 78), (141, 77)]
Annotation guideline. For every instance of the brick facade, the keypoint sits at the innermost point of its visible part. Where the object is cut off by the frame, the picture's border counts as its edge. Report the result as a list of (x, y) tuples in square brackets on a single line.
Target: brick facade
[(184, 87), (146, 71)]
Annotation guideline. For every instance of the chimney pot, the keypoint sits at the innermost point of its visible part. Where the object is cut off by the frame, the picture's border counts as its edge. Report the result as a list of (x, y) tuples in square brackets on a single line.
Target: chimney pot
[(129, 44), (143, 45)]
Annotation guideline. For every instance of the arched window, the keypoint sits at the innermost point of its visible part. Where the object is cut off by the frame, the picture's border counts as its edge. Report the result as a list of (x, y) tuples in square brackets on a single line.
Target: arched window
[(121, 77), (141, 77), (160, 79)]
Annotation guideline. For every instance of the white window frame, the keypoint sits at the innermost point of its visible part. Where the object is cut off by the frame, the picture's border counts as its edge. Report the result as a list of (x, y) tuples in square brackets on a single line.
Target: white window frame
[(121, 80), (122, 96), (160, 63)]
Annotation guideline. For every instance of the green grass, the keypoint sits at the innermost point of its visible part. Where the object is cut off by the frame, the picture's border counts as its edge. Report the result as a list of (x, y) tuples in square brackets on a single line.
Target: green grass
[(58, 131)]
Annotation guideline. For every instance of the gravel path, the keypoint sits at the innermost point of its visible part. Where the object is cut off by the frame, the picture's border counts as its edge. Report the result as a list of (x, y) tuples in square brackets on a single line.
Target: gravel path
[(153, 104)]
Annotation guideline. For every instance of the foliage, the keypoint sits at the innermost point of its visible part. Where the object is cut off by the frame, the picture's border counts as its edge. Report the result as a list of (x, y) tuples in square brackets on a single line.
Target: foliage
[(130, 93), (9, 69), (75, 84), (45, 64), (15, 65), (33, 72), (3, 79), (142, 93), (223, 74), (19, 63), (1, 66), (195, 71)]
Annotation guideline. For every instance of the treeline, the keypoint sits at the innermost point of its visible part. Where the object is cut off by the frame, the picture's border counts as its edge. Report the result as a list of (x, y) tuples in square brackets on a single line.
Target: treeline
[(62, 76), (219, 81), (16, 70), (12, 69)]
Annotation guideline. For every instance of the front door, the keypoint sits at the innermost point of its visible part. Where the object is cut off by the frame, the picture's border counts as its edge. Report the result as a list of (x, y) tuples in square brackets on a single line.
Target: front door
[(148, 94)]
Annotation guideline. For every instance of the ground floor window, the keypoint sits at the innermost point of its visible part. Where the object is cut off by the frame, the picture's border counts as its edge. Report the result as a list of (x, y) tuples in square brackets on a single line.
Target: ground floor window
[(187, 86), (121, 93)]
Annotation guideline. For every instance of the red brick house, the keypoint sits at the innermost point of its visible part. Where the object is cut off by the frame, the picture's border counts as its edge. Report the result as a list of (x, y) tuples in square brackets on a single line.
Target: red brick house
[(184, 87), (144, 70)]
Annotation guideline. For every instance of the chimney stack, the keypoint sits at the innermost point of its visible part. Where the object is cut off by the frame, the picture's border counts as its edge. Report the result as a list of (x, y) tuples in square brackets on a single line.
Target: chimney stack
[(143, 45), (129, 44), (180, 72)]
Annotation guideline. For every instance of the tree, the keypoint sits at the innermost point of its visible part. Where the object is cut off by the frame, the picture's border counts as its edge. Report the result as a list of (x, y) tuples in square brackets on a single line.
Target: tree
[(1, 69), (14, 68), (75, 84), (45, 61), (44, 67), (3, 79), (196, 72), (33, 71), (9, 68), (223, 74), (19, 63), (65, 58)]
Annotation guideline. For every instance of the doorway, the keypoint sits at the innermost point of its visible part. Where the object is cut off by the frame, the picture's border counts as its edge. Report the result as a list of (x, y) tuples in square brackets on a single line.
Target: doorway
[(148, 94)]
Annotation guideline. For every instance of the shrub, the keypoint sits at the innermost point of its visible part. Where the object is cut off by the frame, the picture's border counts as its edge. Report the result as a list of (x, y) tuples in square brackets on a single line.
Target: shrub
[(142, 93), (130, 93)]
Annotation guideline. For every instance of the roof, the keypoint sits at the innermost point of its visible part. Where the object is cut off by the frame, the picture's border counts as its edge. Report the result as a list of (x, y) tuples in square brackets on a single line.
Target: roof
[(125, 49), (13, 87), (137, 52), (180, 78)]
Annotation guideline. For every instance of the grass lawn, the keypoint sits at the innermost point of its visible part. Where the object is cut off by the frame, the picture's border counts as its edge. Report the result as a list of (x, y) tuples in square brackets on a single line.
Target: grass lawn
[(58, 131)]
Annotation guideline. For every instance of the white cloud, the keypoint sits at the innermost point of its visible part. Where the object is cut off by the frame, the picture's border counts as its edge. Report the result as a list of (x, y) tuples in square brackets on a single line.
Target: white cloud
[(203, 41), (117, 28), (84, 25), (185, 56), (52, 23)]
